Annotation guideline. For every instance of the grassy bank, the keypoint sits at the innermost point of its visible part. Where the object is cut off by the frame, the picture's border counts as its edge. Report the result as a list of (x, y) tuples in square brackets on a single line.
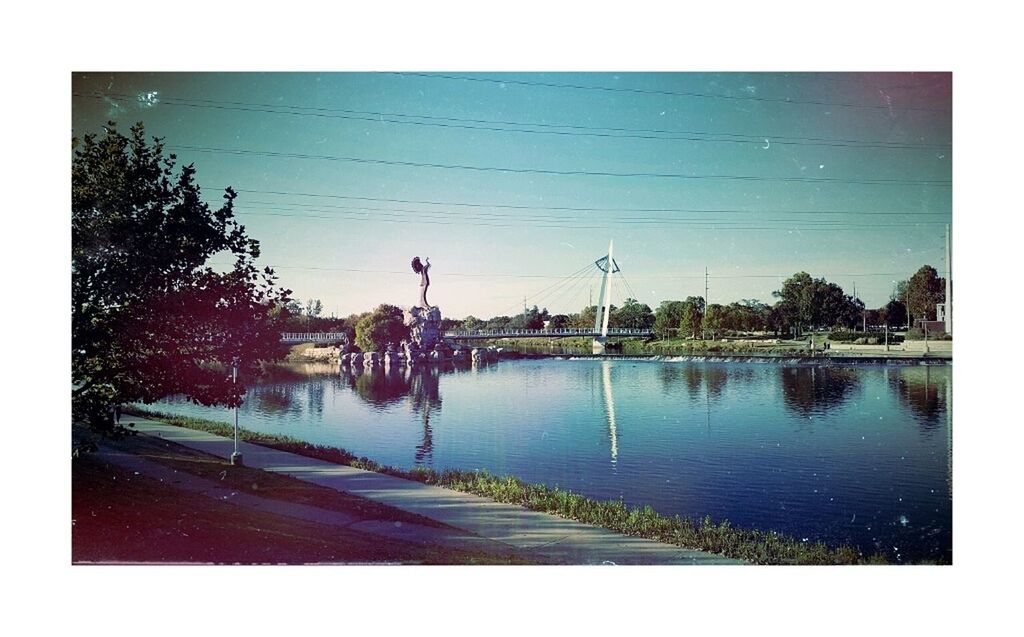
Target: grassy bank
[(759, 547), (640, 346), (122, 517)]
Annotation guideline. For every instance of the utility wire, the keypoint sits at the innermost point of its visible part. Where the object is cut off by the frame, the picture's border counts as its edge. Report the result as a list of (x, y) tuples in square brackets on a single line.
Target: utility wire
[(546, 129), (563, 173), (741, 98), (584, 209), (385, 216), (298, 205), (800, 226)]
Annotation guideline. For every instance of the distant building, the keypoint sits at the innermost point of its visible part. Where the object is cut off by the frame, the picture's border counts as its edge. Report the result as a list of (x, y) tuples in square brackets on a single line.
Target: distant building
[(932, 327)]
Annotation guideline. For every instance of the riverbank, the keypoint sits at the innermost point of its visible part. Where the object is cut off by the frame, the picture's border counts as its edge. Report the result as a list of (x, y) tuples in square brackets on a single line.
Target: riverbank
[(744, 350), (761, 547), (140, 499)]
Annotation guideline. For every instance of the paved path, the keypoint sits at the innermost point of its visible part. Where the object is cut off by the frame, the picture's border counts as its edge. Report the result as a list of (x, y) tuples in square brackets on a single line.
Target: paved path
[(549, 538)]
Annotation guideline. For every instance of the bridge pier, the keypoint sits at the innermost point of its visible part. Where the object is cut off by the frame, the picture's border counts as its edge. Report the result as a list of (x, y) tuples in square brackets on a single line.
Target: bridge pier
[(599, 344)]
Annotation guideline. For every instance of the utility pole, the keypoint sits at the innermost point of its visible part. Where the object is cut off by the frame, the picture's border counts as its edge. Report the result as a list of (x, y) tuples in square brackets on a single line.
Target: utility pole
[(949, 287), (705, 313), (236, 455)]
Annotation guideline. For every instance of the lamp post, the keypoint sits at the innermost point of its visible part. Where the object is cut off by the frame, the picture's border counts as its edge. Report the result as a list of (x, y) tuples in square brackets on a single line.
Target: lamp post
[(236, 456)]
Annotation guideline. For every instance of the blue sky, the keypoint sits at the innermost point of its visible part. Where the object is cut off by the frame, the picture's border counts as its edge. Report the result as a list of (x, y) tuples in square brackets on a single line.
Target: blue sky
[(340, 235)]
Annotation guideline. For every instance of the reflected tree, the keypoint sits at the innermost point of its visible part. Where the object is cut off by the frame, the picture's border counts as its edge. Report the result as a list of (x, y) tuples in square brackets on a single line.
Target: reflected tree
[(714, 381), (814, 390), (924, 393)]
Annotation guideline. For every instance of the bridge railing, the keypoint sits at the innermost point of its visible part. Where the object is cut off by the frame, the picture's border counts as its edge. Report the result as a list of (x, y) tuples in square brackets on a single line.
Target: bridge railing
[(312, 337), (563, 331)]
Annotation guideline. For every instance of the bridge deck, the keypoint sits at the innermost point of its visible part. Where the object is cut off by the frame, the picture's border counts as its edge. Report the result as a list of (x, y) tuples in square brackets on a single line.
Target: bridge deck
[(555, 333)]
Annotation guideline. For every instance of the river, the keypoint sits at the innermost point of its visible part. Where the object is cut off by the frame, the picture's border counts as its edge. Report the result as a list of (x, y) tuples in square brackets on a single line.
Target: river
[(857, 454)]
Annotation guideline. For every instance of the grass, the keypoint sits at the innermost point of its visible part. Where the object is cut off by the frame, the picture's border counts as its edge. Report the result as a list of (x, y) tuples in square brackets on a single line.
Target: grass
[(758, 547), (121, 517)]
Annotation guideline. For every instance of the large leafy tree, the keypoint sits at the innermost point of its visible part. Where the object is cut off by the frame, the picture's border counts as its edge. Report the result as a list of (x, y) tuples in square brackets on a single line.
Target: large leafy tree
[(634, 315), (149, 316), (924, 290), (668, 317), (383, 327)]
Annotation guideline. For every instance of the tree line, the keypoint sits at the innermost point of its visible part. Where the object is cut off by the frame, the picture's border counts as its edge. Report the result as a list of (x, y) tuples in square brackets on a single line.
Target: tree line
[(803, 303)]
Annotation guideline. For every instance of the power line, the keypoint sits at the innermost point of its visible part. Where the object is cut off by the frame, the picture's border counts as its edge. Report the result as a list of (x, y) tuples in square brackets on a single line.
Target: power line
[(584, 270), (742, 98), (498, 126), (563, 173), (585, 209), (798, 225)]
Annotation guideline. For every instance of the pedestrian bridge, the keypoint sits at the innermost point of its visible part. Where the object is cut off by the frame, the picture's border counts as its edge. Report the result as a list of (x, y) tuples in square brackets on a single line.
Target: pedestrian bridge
[(312, 337), (562, 332)]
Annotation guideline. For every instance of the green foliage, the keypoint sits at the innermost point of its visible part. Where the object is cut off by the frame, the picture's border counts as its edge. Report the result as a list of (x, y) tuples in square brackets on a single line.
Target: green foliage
[(924, 290), (808, 303), (693, 316), (383, 327), (634, 315), (668, 317), (471, 323), (149, 317), (532, 319)]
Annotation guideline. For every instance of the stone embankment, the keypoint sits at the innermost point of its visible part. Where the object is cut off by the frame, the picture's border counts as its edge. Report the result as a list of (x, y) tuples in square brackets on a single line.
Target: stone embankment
[(441, 353)]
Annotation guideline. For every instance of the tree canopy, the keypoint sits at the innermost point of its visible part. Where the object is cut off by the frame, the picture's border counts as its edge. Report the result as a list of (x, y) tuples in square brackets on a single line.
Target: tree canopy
[(149, 316), (924, 290), (380, 328)]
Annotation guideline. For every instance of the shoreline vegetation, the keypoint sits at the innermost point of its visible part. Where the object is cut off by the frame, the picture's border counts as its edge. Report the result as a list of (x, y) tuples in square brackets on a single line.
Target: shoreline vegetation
[(755, 546)]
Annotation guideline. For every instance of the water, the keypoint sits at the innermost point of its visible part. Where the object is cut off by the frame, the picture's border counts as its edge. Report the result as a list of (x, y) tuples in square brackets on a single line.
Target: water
[(857, 454)]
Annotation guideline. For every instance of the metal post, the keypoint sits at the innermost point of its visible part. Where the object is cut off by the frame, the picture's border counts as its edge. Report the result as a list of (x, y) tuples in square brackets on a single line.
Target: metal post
[(949, 287), (236, 456)]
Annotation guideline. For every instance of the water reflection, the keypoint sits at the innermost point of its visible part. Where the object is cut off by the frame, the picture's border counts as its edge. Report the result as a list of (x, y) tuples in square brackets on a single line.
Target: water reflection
[(417, 387), (813, 391), (609, 409), (380, 387), (702, 382), (424, 399), (923, 391)]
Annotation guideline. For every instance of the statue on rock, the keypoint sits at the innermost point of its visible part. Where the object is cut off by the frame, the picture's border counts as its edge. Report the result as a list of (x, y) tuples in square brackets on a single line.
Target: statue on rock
[(424, 321), (422, 269)]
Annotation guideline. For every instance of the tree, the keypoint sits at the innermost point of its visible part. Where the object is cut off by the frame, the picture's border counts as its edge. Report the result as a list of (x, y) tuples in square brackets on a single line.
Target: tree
[(532, 319), (924, 290), (149, 317), (713, 320), (634, 315), (559, 321), (692, 316), (796, 300), (585, 319), (313, 308), (471, 323), (668, 317), (894, 314), (383, 327)]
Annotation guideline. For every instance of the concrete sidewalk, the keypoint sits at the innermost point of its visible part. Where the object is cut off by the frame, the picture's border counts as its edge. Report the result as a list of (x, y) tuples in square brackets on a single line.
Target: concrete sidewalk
[(548, 538)]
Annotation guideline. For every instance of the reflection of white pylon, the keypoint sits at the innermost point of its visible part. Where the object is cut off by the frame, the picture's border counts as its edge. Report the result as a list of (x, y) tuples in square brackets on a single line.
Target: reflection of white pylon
[(606, 380), (609, 267)]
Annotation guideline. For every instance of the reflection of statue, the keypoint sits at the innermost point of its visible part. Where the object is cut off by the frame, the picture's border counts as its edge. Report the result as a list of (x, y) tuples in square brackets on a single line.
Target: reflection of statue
[(422, 269)]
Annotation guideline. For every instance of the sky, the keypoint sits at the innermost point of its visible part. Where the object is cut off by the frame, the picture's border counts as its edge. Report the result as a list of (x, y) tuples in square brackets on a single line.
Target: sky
[(512, 182)]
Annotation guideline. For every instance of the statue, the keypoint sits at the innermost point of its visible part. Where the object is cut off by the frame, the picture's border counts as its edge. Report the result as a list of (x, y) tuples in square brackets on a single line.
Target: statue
[(422, 269), (424, 321)]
